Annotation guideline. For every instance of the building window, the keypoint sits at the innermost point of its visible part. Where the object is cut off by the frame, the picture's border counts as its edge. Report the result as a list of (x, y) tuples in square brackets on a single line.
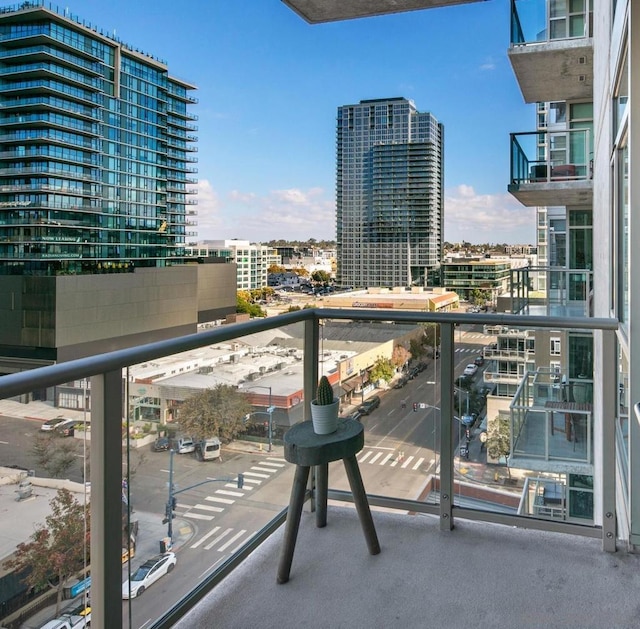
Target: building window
[(556, 347)]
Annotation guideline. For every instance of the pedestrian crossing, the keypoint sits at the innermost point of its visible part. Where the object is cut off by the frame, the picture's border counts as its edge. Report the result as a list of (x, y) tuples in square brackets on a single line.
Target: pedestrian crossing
[(467, 350), (393, 458), (227, 495)]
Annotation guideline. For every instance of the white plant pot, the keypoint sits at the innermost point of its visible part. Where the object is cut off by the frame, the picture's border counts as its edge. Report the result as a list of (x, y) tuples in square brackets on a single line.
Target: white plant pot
[(324, 418)]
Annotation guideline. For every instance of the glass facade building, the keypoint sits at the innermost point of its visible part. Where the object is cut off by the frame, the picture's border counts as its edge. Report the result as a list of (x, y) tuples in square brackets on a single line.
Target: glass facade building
[(389, 195), (96, 150)]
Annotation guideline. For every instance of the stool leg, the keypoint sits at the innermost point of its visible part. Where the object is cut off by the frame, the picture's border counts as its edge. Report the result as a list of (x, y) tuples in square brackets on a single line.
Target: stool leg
[(293, 522), (322, 489), (362, 504)]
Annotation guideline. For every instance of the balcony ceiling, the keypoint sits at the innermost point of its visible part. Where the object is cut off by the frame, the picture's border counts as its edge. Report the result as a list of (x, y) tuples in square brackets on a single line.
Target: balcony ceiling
[(569, 193), (554, 71), (318, 11)]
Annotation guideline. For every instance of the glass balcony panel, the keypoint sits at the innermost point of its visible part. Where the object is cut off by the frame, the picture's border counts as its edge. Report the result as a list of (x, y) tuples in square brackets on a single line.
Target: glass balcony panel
[(547, 20)]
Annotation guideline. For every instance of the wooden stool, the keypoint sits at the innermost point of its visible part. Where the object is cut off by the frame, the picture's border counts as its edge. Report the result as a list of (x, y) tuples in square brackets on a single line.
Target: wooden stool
[(304, 448)]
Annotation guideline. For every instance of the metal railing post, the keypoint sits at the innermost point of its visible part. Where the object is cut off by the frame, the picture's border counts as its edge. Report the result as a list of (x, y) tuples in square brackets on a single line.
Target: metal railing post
[(609, 414), (106, 500), (446, 425)]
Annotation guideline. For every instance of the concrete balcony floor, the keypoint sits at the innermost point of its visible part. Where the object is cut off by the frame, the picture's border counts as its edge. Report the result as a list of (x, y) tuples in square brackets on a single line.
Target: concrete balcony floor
[(478, 575)]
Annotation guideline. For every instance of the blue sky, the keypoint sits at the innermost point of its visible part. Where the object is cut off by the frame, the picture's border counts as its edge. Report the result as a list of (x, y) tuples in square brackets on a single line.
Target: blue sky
[(269, 85)]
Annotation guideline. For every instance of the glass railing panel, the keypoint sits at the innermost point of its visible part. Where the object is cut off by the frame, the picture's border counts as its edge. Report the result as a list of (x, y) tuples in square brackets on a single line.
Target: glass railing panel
[(45, 468), (534, 21), (196, 423), (534, 424)]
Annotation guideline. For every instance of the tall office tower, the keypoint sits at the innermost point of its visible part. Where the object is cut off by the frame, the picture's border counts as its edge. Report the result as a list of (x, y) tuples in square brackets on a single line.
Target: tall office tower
[(95, 149), (389, 193)]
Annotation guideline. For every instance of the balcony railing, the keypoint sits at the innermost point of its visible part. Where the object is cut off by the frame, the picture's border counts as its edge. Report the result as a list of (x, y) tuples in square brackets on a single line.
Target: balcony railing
[(536, 21), (552, 167), (425, 459)]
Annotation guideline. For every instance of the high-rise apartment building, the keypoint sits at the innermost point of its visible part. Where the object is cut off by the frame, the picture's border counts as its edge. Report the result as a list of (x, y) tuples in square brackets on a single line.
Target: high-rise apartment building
[(96, 146), (389, 195), (96, 157)]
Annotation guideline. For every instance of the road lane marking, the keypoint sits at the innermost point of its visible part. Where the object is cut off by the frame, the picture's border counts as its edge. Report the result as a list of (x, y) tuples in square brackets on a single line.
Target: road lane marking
[(375, 458), (237, 548), (407, 462), (230, 541), (235, 486), (206, 536), (386, 458), (255, 481), (208, 508), (365, 456), (224, 492), (256, 475), (418, 464), (275, 462), (262, 469), (195, 516)]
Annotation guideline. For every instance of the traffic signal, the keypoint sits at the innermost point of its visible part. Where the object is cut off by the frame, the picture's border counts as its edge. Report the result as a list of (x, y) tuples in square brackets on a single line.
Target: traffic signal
[(240, 481), (174, 503), (415, 407)]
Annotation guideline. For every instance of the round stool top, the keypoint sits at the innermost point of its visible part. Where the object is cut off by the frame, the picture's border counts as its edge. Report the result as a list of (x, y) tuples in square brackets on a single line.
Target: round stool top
[(303, 447)]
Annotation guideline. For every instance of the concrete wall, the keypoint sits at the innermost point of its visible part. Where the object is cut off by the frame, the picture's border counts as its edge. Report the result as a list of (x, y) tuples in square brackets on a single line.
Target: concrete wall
[(216, 291)]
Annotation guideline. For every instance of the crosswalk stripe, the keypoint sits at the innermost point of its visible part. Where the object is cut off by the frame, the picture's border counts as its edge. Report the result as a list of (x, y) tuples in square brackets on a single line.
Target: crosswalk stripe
[(254, 481), (365, 456), (272, 464), (275, 458), (237, 548), (262, 469), (230, 541), (394, 462), (418, 464), (225, 501), (206, 536), (256, 475), (235, 485), (217, 539), (386, 458), (407, 462), (375, 458), (195, 516), (224, 492), (208, 508)]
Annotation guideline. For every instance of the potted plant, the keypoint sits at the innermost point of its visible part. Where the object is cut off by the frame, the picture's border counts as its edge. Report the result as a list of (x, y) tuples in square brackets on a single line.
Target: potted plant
[(324, 409)]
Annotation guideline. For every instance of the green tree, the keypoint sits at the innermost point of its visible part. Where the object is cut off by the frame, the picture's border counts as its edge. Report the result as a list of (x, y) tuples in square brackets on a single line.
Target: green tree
[(499, 440), (245, 306), (320, 276), (382, 370), (214, 412), (56, 551), (54, 454), (416, 349)]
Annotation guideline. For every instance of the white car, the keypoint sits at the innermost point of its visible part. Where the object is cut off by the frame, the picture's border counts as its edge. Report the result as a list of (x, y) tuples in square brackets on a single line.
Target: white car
[(50, 424), (149, 572), (186, 445), (470, 370)]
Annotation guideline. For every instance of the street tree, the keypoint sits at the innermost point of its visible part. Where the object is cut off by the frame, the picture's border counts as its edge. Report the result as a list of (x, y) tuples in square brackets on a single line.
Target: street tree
[(57, 551), (219, 411), (245, 306), (499, 440), (276, 268), (400, 356), (54, 454), (416, 349), (321, 276), (382, 370)]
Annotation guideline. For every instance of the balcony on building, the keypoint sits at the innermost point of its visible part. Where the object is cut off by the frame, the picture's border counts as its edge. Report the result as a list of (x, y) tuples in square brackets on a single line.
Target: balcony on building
[(552, 424), (561, 293), (335, 10), (551, 49), (550, 168)]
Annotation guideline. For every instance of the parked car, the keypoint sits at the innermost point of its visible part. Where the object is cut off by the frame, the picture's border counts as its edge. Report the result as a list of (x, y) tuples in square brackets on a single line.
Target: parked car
[(66, 428), (400, 383), (413, 372), (479, 361), (357, 415), (50, 424), (186, 445), (470, 370), (148, 573), (161, 444), (369, 405)]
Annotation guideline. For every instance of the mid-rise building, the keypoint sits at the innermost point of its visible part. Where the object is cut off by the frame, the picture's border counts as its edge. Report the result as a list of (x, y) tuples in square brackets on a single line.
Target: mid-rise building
[(389, 194), (253, 260)]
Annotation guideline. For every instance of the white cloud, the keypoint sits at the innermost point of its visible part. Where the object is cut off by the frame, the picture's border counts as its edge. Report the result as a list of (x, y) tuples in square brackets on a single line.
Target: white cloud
[(492, 218), (208, 209)]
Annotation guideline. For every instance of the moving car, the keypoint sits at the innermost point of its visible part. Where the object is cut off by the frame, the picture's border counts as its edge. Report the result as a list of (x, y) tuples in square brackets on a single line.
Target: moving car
[(50, 424), (148, 573), (470, 370), (66, 428), (479, 360), (369, 405)]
